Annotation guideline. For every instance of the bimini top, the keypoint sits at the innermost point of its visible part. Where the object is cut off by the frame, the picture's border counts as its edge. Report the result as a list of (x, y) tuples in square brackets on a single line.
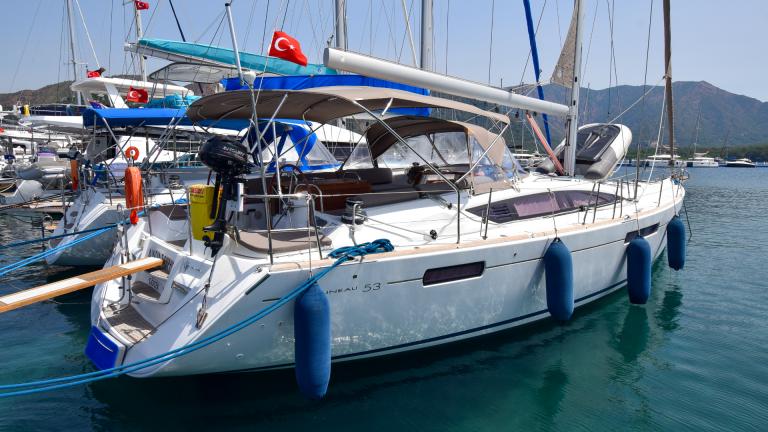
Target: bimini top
[(321, 104), (463, 149)]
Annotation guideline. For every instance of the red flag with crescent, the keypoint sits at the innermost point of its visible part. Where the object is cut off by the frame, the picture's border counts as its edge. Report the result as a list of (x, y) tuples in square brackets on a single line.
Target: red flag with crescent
[(137, 95), (140, 5), (287, 48)]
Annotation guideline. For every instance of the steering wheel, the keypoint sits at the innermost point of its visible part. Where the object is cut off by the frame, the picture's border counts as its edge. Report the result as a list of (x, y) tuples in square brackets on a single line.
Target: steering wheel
[(293, 175)]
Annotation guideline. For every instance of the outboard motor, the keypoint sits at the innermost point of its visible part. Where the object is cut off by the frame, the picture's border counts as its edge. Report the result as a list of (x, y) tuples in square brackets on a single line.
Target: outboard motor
[(228, 158)]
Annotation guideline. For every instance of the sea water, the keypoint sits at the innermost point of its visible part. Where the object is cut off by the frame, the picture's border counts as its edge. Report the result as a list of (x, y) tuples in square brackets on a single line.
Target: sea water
[(694, 358)]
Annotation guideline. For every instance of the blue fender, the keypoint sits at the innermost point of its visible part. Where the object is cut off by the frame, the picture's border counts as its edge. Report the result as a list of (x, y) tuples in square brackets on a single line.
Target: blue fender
[(639, 270), (676, 243), (312, 333), (558, 271)]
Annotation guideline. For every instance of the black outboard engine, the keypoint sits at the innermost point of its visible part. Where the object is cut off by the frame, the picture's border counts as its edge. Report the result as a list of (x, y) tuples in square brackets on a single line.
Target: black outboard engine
[(228, 158)]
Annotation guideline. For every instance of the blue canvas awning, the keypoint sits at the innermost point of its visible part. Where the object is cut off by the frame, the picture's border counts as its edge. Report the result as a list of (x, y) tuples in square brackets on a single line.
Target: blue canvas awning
[(313, 81), (199, 53)]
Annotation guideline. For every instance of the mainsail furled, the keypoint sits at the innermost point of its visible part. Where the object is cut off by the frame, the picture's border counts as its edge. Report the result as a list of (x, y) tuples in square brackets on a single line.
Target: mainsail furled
[(198, 53)]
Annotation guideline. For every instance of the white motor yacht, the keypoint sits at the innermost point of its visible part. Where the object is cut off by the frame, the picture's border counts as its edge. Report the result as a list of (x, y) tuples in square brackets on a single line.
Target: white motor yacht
[(740, 163), (701, 160), (662, 161)]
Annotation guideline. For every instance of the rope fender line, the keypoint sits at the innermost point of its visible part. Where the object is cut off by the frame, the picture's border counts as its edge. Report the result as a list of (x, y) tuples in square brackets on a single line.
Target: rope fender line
[(342, 254)]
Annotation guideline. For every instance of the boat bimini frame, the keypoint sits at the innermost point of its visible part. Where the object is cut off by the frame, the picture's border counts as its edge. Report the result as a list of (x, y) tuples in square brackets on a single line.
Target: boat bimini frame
[(329, 103)]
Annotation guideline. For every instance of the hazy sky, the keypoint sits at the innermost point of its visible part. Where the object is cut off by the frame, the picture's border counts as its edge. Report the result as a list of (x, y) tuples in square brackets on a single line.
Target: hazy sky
[(712, 40)]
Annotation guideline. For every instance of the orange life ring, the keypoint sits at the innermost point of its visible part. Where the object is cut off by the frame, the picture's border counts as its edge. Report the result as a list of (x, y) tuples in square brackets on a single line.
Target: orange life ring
[(134, 194), (132, 152), (73, 172)]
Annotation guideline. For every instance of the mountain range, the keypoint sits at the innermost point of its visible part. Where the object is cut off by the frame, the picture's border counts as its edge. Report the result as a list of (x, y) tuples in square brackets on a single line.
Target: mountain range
[(725, 118)]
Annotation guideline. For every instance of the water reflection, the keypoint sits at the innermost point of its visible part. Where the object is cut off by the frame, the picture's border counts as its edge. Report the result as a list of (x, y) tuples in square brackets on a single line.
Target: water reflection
[(635, 332), (552, 391)]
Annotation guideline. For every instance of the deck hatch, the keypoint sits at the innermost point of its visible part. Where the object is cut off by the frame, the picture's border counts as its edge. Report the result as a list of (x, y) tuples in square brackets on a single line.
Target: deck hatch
[(542, 204), (453, 273)]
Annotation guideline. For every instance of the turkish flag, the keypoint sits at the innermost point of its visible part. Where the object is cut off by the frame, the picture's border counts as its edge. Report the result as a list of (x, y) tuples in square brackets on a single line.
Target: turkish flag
[(287, 48), (95, 73), (137, 95), (140, 5)]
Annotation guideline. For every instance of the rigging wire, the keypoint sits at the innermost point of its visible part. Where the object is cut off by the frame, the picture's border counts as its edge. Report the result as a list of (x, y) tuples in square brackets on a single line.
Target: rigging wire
[(176, 18), (264, 31), (24, 49), (250, 23), (530, 49), (447, 33), (645, 83), (285, 13), (559, 25), (61, 51), (408, 14), (87, 34), (111, 21), (490, 46)]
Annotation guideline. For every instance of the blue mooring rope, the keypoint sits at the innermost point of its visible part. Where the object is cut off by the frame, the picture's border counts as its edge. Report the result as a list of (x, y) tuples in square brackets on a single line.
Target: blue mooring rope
[(19, 264), (342, 254), (53, 237)]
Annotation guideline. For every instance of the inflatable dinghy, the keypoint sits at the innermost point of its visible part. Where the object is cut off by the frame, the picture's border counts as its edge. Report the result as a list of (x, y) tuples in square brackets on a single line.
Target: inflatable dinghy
[(599, 148)]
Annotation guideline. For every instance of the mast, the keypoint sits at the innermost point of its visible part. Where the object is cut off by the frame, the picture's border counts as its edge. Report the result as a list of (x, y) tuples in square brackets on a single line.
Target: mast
[(139, 35), (696, 138), (427, 34), (573, 108), (668, 80), (535, 58), (78, 96), (341, 24)]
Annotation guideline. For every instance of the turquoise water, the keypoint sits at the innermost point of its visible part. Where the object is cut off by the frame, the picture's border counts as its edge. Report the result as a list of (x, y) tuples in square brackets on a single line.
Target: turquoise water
[(693, 358)]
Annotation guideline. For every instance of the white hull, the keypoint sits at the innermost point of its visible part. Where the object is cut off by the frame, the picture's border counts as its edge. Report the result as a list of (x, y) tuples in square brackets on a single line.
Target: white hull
[(703, 164), (380, 306)]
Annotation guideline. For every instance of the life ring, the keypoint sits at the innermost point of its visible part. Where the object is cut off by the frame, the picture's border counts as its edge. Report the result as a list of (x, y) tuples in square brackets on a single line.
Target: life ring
[(134, 194), (132, 152)]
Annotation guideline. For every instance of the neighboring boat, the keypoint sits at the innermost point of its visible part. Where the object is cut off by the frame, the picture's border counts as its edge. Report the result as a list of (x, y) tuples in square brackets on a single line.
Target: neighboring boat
[(663, 161), (701, 160), (740, 163)]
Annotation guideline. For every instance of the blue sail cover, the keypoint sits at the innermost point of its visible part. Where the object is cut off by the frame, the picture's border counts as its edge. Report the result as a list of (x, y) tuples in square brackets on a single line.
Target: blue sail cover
[(313, 81), (137, 117), (227, 56)]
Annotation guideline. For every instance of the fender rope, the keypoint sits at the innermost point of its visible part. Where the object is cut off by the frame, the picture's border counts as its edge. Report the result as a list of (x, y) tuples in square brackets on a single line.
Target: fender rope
[(341, 254)]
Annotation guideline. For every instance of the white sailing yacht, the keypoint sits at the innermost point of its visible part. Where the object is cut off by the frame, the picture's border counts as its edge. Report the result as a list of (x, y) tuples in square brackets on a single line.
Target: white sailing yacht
[(470, 232)]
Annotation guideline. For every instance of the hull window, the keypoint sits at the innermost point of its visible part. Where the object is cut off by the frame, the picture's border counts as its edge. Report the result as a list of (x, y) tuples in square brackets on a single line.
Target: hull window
[(453, 273), (645, 232)]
